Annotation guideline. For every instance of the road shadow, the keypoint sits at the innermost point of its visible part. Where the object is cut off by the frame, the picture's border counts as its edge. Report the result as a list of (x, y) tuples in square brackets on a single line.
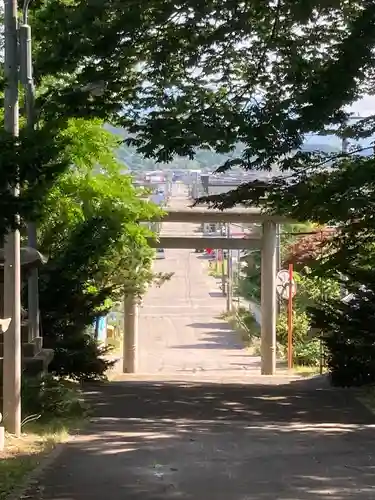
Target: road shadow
[(220, 337), (216, 294), (215, 343), (219, 325), (309, 400), (178, 440)]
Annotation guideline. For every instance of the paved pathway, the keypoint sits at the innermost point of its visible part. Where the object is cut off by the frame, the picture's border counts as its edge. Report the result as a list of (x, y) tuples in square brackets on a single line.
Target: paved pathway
[(190, 441), (172, 435), (180, 330)]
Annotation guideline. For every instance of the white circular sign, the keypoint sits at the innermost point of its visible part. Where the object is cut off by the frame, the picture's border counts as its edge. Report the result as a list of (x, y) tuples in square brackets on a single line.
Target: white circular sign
[(282, 277), (282, 284)]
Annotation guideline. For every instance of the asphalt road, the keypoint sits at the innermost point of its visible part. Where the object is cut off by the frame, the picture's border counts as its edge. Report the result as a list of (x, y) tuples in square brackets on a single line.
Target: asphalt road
[(262, 438), (194, 441)]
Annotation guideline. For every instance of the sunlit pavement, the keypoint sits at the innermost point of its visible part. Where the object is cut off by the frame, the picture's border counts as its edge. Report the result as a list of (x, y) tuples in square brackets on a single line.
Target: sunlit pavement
[(180, 330)]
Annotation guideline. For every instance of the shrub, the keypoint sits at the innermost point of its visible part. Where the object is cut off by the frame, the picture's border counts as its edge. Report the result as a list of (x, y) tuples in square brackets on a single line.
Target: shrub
[(47, 397), (306, 351), (79, 357), (349, 336), (247, 323), (301, 326)]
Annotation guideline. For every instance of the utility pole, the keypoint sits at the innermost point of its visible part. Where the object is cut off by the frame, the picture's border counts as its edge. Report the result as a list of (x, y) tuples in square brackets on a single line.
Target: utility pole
[(223, 277), (278, 249), (229, 276), (26, 74), (12, 264), (278, 260), (238, 277)]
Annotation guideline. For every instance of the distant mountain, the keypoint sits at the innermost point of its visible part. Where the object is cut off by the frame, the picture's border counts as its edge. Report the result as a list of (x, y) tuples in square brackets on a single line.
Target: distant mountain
[(204, 158), (207, 160), (324, 148)]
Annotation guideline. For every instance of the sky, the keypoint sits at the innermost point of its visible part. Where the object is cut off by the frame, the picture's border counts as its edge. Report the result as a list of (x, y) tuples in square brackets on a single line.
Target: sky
[(362, 108)]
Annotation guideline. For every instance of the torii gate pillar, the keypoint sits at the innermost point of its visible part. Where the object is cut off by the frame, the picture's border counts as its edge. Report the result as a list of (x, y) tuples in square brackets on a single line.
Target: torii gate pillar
[(268, 299), (130, 339)]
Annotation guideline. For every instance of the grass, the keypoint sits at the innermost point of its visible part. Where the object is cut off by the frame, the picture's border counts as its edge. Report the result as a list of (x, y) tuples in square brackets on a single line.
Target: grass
[(115, 343), (38, 439), (23, 454), (307, 371), (20, 457), (243, 323)]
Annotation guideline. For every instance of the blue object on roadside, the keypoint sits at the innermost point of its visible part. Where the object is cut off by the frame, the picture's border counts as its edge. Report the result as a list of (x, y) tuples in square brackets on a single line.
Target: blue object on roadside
[(101, 328)]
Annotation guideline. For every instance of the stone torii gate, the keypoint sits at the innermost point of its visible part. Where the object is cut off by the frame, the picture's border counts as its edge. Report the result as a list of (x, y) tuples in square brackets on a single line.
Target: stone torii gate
[(267, 242)]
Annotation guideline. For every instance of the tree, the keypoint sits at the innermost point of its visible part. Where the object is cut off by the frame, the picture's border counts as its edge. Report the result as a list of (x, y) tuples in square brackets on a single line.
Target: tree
[(311, 292), (307, 249), (34, 161), (97, 249), (204, 74), (347, 327), (182, 75), (249, 284), (93, 191)]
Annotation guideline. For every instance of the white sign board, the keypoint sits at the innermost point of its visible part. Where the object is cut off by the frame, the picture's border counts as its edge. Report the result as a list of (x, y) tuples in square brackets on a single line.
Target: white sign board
[(282, 284)]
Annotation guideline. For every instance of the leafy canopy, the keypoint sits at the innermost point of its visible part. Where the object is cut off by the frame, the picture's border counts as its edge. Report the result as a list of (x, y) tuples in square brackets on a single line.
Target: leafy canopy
[(182, 75), (186, 74)]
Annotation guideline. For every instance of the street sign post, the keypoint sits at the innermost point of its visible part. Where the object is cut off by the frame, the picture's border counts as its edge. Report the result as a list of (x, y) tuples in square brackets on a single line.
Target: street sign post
[(286, 287), (290, 317)]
